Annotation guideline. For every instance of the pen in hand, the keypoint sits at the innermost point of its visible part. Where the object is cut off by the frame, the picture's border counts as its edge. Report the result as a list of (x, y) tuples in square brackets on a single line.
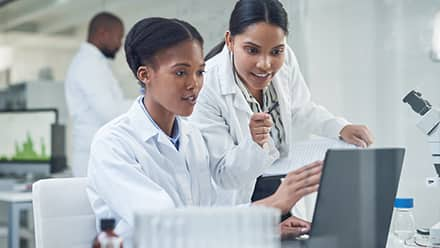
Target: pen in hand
[(260, 121), (272, 107)]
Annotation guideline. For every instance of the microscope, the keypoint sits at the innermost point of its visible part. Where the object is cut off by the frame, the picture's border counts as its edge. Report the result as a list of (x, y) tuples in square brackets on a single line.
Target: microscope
[(429, 124)]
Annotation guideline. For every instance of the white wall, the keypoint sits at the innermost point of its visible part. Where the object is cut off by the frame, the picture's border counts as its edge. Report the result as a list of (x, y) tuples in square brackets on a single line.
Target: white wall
[(31, 52), (360, 59)]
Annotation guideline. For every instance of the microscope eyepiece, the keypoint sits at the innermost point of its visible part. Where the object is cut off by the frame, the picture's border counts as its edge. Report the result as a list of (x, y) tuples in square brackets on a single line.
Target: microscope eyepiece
[(417, 103)]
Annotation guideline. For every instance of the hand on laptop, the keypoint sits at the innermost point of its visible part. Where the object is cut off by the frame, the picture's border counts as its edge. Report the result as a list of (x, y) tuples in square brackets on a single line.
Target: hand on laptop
[(294, 186), (293, 227)]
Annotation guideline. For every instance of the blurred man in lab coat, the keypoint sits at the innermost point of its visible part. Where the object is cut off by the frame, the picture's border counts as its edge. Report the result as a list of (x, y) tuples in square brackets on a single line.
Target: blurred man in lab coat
[(93, 94)]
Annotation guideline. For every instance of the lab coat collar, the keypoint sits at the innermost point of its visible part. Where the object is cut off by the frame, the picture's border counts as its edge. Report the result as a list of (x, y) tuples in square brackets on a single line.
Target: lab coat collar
[(228, 85), (226, 74), (147, 130), (92, 49)]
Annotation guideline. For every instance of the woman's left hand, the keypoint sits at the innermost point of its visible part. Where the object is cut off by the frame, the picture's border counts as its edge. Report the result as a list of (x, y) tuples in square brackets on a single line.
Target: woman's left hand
[(293, 227), (358, 135)]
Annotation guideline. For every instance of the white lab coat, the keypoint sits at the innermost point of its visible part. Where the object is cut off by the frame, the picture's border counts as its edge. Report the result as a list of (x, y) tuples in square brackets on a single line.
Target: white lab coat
[(133, 165), (93, 98), (222, 114)]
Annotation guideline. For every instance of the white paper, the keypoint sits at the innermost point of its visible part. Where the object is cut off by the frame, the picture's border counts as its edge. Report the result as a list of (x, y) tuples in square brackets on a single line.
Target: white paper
[(306, 152)]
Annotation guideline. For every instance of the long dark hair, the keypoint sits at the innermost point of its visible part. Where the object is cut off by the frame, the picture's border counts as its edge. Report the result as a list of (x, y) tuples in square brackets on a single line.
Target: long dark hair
[(150, 35), (248, 12)]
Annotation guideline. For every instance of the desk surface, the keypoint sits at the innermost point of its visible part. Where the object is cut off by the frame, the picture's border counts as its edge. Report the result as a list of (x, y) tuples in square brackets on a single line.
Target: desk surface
[(11, 196), (16, 196)]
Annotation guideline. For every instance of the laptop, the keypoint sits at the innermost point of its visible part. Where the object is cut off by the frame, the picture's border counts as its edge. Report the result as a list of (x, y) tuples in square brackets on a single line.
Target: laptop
[(355, 199)]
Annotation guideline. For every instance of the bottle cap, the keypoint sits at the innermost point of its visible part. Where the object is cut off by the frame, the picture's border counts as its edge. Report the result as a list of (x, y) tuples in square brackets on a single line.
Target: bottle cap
[(107, 224), (404, 203)]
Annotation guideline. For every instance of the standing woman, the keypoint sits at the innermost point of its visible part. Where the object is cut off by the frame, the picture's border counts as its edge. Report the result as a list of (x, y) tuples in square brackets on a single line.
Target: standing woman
[(255, 99), (149, 157)]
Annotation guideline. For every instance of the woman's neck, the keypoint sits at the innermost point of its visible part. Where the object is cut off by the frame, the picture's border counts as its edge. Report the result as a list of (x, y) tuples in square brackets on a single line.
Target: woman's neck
[(258, 94), (163, 118)]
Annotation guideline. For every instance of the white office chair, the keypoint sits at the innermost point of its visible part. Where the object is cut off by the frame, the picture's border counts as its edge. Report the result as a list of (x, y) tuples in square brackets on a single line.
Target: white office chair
[(62, 213)]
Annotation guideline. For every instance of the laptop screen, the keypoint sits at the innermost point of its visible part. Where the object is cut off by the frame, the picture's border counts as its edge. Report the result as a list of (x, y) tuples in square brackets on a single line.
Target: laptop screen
[(355, 198)]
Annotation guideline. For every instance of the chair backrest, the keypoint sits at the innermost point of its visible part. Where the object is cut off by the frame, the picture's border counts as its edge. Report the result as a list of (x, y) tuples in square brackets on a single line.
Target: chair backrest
[(62, 213)]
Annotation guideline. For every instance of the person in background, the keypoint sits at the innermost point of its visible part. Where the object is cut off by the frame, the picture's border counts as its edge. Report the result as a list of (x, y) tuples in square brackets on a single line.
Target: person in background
[(150, 157), (255, 99), (93, 94)]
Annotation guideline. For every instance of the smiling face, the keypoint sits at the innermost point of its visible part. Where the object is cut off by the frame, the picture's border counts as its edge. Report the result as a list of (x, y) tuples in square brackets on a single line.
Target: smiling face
[(258, 54), (174, 80)]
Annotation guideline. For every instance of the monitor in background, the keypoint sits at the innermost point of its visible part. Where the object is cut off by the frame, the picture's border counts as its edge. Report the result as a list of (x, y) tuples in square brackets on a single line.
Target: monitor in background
[(31, 142)]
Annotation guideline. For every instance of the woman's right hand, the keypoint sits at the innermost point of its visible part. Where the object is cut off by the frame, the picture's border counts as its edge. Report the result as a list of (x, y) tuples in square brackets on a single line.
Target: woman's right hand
[(293, 227), (296, 185), (260, 125)]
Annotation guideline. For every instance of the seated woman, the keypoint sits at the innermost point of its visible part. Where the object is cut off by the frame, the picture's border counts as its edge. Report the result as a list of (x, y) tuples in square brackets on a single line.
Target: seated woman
[(150, 158)]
